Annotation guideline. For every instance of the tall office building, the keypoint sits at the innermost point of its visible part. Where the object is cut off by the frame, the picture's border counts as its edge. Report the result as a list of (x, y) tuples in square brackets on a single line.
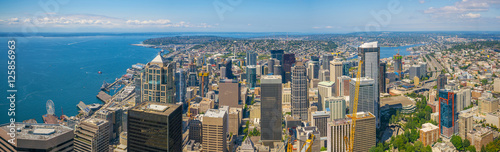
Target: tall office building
[(223, 72), (229, 69), (441, 82), (181, 85), (346, 66), (398, 65), (195, 128), (320, 120), (366, 100), (312, 69), (365, 136), (229, 93), (271, 110), (203, 84), (92, 135), (343, 85), (251, 76), (336, 131), (337, 106), (214, 130), (277, 70), (325, 61), (36, 137), (277, 54), (299, 92), (324, 75), (286, 66), (270, 66), (335, 72), (155, 127), (381, 77), (370, 55), (447, 112), (325, 89), (192, 79), (415, 71), (251, 58), (157, 81)]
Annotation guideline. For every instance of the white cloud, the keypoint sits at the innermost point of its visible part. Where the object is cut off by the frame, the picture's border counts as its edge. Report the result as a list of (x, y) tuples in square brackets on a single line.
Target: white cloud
[(471, 15), (99, 21), (325, 27), (421, 1), (463, 7)]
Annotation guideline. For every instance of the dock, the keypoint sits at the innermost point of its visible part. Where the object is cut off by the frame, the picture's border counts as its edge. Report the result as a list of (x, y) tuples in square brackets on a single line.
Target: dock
[(103, 96)]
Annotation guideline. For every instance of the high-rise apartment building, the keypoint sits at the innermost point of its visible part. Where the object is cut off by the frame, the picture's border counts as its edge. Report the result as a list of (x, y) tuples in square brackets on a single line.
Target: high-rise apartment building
[(312, 70), (251, 58), (155, 127), (214, 130), (429, 134), (335, 71), (181, 85), (299, 92), (343, 85), (465, 124), (463, 98), (447, 112), (157, 81), (229, 93), (441, 81), (271, 112), (325, 61)]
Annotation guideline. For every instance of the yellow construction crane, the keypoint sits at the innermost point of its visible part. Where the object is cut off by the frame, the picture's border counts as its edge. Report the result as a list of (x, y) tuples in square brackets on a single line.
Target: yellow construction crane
[(349, 141), (188, 114), (308, 144)]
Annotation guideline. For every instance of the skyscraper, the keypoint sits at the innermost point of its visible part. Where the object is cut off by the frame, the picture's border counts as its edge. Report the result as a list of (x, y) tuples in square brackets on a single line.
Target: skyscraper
[(447, 112), (229, 69), (337, 106), (346, 65), (325, 61), (366, 99), (336, 131), (251, 76), (312, 69), (92, 135), (343, 85), (299, 92), (370, 55), (381, 77), (277, 54), (324, 75), (203, 85), (157, 81), (271, 109), (365, 136), (251, 58), (398, 65), (181, 86), (463, 98), (270, 67), (229, 93), (335, 71), (441, 82), (155, 127), (286, 66), (320, 120), (325, 89), (214, 130)]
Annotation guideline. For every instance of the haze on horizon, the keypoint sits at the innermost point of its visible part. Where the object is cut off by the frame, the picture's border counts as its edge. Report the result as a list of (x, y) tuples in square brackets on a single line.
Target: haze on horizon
[(249, 16)]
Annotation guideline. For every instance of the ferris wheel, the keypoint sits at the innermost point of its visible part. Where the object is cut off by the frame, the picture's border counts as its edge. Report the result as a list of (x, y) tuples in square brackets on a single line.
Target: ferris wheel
[(50, 107)]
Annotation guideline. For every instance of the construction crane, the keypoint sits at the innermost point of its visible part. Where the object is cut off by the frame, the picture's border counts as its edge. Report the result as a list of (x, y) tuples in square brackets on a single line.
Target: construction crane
[(349, 141), (189, 108), (308, 144)]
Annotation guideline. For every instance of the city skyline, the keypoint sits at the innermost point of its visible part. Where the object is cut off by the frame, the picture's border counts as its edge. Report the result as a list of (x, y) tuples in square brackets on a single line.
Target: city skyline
[(251, 16)]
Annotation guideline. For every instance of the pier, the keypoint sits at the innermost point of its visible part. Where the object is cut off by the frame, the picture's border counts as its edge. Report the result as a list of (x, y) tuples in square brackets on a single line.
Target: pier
[(103, 96)]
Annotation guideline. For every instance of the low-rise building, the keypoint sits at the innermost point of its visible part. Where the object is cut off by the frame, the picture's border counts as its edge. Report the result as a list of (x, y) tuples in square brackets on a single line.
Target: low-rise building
[(36, 137)]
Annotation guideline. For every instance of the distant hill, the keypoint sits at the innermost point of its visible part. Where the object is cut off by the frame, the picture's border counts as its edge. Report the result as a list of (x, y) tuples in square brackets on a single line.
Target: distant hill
[(185, 40)]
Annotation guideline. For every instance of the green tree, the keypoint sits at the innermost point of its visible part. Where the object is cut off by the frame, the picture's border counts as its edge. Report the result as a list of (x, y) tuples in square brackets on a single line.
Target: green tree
[(457, 142), (323, 149), (466, 143), (471, 149), (484, 81)]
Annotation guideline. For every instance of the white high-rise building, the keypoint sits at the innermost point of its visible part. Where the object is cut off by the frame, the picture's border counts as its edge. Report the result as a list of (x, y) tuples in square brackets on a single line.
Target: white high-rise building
[(370, 55), (325, 89), (366, 99), (337, 106)]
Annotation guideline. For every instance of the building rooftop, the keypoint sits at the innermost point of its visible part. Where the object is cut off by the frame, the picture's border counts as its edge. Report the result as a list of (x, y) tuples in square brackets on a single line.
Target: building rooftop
[(320, 113), (214, 113), (157, 59), (156, 108), (428, 127), (270, 79), (37, 131), (326, 83), (362, 115), (95, 121), (369, 45)]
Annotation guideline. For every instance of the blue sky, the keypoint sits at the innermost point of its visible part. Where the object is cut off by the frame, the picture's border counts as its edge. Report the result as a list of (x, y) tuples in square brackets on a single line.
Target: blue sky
[(314, 16)]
